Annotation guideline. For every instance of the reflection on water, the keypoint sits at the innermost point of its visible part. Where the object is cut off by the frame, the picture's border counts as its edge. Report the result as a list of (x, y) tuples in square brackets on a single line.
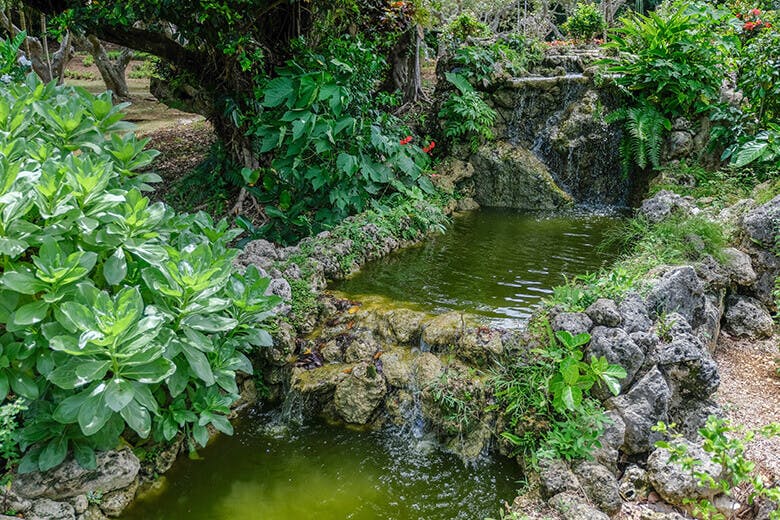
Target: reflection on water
[(327, 473), (497, 264)]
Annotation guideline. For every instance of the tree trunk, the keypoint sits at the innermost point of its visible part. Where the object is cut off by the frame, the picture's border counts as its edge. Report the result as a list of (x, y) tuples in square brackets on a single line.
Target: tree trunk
[(113, 72), (406, 75), (47, 67)]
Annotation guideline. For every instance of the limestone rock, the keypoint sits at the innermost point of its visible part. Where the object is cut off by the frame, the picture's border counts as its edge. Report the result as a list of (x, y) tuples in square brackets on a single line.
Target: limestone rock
[(681, 291), (633, 312), (556, 477), (80, 504), (745, 316), (600, 485), (405, 325), (673, 482), (689, 368), (479, 346), (611, 440), (633, 484), (761, 224), (619, 349), (663, 204), (443, 331), (573, 507), (358, 395), (426, 369), (641, 408), (46, 509), (115, 470), (739, 267), (467, 204), (604, 312), (362, 348), (574, 322), (396, 372), (117, 501), (508, 176)]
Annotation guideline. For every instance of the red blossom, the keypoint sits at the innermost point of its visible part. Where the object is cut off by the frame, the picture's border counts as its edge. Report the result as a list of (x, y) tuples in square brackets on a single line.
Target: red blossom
[(755, 12), (430, 147), (749, 26), (406, 140)]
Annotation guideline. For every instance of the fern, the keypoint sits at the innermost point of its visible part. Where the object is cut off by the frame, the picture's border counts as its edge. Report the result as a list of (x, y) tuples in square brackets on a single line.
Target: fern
[(466, 114), (644, 135)]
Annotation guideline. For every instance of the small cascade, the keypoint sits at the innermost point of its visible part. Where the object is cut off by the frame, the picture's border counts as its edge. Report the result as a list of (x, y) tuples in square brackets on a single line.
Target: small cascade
[(560, 120)]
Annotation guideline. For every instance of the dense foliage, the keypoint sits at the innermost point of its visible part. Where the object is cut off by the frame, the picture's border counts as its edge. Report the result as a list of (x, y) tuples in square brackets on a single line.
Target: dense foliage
[(546, 400), (585, 23), (118, 315)]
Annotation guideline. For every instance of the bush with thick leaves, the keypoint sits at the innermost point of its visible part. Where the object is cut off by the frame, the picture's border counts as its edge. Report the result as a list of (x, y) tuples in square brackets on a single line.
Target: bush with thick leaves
[(118, 317)]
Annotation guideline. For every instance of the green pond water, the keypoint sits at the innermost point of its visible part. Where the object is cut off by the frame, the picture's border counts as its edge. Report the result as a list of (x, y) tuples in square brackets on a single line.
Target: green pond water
[(496, 264), (327, 473)]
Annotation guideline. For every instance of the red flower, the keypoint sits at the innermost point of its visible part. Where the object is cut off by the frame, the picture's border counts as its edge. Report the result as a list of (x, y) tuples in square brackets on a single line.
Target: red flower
[(739, 15), (768, 25), (755, 12), (430, 147), (406, 140), (749, 26)]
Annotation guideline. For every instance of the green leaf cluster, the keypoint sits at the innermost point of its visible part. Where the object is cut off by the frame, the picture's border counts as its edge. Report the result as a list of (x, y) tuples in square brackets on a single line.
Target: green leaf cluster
[(585, 23), (332, 152), (545, 398), (116, 314), (465, 114)]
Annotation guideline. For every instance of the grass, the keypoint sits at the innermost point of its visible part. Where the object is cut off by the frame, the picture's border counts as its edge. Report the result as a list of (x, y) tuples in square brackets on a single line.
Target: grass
[(644, 246)]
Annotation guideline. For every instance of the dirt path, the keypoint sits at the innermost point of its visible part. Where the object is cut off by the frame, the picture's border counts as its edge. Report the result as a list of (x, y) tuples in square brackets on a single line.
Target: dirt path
[(750, 393)]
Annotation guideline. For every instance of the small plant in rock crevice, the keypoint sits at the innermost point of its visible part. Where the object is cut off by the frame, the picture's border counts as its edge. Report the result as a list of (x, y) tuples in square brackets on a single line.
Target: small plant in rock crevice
[(725, 443), (545, 398)]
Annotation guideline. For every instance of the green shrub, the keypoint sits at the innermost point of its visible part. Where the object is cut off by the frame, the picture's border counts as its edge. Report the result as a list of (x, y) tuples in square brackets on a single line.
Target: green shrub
[(11, 66), (643, 137), (585, 23), (465, 114), (332, 151), (483, 62), (466, 26), (545, 399), (726, 444), (118, 315)]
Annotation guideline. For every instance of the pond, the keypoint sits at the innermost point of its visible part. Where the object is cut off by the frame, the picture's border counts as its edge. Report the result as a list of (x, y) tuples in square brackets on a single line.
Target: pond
[(327, 473), (496, 264)]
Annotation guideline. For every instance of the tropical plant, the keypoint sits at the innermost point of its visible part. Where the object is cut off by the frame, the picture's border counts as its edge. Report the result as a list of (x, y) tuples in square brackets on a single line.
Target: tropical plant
[(11, 66), (117, 313), (726, 444), (465, 114), (585, 23), (331, 153), (644, 130), (546, 399), (762, 149), (466, 26)]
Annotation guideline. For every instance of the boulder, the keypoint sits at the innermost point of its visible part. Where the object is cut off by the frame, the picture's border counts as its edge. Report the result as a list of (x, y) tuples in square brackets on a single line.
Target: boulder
[(556, 477), (508, 176), (426, 369), (444, 331), (114, 470), (396, 372), (747, 317), (761, 225), (362, 348), (640, 409), (358, 395), (680, 291), (574, 322), (46, 509), (633, 484), (739, 267), (665, 203), (114, 503), (478, 346), (611, 440), (634, 315), (404, 325), (573, 507), (709, 330), (619, 349), (600, 485), (689, 368), (604, 312), (675, 483)]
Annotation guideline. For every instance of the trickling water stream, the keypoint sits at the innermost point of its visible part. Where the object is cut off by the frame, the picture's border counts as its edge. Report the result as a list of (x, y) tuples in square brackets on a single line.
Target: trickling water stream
[(328, 473), (497, 264)]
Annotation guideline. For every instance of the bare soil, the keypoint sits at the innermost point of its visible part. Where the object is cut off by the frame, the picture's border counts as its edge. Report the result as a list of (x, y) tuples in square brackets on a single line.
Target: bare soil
[(750, 393)]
